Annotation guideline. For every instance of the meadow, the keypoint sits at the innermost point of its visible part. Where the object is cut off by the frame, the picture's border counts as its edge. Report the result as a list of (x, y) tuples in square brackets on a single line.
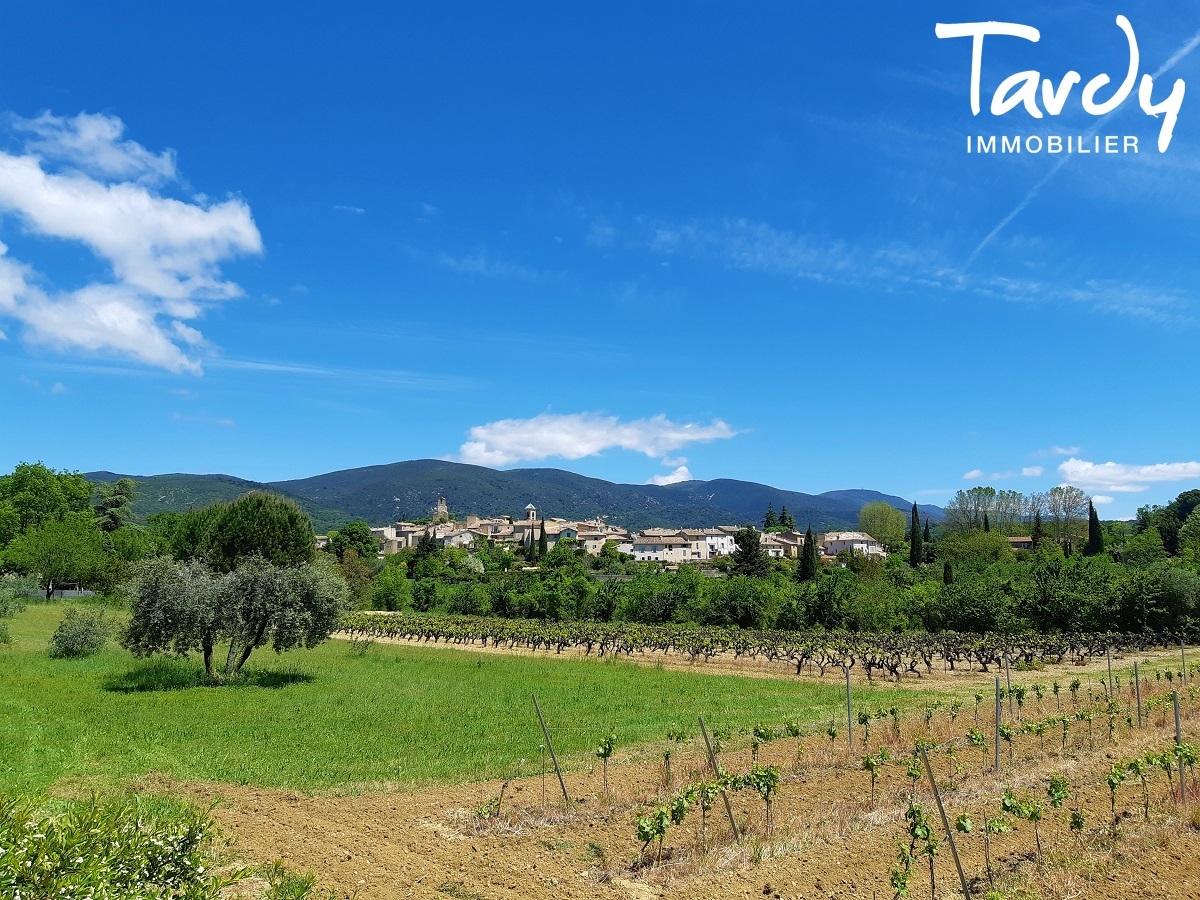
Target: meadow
[(339, 721)]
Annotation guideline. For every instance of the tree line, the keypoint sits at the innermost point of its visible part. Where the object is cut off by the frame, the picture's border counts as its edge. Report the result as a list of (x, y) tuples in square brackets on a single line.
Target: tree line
[(963, 575)]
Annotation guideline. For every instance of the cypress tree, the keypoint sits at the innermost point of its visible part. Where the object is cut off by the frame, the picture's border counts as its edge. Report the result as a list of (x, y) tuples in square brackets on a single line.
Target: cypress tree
[(916, 548), (1038, 531), (542, 538), (807, 571), (947, 574), (987, 525), (1095, 541)]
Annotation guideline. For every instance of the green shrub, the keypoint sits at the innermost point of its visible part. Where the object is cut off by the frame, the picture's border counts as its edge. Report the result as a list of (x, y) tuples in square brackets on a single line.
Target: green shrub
[(5, 637), (286, 885), (15, 591), (99, 848), (81, 633)]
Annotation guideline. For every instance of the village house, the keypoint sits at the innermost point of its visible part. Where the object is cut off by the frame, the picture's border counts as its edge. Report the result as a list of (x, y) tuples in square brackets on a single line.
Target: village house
[(835, 542)]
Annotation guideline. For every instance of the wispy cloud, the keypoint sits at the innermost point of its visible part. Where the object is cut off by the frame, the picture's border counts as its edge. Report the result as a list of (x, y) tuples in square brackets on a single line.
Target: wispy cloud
[(898, 265), (576, 435), (757, 246), (1123, 478), (1058, 450), (972, 474), (33, 384), (481, 263), (1184, 50), (380, 377), (357, 210), (78, 181)]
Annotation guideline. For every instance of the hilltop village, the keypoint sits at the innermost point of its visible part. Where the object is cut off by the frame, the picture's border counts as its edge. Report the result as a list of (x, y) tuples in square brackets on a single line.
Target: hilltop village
[(662, 545)]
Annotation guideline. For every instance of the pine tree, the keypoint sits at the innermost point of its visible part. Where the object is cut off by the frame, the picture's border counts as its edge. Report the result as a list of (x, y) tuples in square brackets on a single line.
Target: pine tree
[(807, 570), (769, 520), (916, 549), (1095, 541), (786, 520), (748, 556)]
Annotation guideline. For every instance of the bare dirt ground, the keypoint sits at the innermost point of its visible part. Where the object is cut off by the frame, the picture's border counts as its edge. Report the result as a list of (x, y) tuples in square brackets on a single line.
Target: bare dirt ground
[(830, 839)]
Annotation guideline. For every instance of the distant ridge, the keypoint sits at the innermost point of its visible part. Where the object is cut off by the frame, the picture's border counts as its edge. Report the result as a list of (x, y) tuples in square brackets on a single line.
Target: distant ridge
[(407, 490)]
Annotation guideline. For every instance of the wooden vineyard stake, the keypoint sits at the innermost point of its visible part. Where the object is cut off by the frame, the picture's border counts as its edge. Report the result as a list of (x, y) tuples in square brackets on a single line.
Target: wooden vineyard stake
[(937, 796), (850, 714), (1008, 686), (1137, 691), (997, 761), (1178, 742), (549, 746), (712, 758)]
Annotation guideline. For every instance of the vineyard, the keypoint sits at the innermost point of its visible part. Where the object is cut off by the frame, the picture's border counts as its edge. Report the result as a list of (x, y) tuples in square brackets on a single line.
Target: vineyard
[(893, 655), (1081, 791)]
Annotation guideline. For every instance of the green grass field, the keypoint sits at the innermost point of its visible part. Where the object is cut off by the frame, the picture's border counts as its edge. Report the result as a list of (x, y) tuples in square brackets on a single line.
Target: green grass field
[(330, 720)]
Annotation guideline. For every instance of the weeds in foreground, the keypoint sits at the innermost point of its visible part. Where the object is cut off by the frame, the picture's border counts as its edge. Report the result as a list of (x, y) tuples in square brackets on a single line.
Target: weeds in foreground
[(288, 885), (102, 848)]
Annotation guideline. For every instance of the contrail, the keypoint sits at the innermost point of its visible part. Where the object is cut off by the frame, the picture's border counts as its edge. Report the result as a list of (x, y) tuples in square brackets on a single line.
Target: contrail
[(1180, 54)]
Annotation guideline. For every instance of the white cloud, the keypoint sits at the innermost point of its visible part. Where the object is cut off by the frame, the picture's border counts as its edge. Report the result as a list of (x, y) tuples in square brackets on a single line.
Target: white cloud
[(1102, 499), (974, 473), (357, 210), (93, 144), (680, 474), (576, 435), (163, 253), (1121, 478), (1032, 471)]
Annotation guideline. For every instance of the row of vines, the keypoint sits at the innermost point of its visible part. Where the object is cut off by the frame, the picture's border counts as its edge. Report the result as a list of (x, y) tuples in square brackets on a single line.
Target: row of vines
[(875, 654), (1082, 759)]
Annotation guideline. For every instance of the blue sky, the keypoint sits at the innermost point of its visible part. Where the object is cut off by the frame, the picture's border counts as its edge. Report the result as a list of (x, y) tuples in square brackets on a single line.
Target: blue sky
[(637, 241)]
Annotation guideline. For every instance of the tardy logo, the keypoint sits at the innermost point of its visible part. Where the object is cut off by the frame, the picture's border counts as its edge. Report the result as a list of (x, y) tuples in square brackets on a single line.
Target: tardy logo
[(1021, 88)]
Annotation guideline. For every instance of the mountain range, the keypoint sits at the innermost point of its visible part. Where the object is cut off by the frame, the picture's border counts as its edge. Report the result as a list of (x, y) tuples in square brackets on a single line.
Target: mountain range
[(407, 490)]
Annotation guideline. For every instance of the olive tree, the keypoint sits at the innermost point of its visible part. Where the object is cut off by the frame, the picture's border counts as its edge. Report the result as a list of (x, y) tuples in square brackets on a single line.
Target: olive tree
[(181, 607)]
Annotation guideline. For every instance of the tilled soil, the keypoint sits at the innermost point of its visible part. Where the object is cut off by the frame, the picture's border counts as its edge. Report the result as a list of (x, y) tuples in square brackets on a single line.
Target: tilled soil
[(830, 839)]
